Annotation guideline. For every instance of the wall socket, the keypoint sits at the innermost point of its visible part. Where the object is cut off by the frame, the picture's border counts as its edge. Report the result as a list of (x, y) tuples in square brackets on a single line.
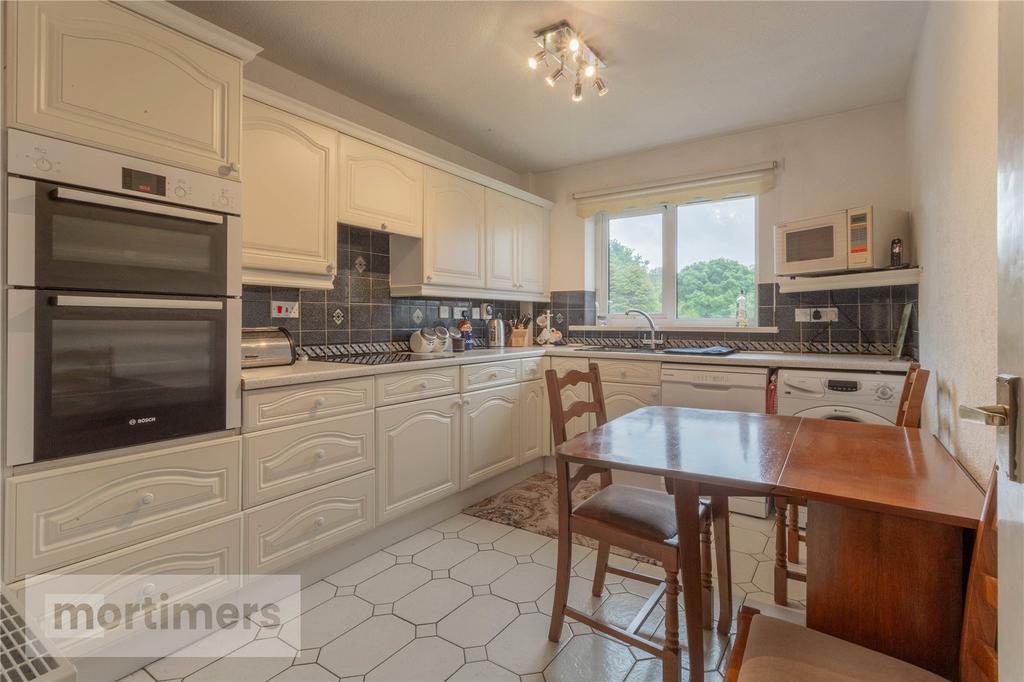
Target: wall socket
[(817, 314), (287, 309)]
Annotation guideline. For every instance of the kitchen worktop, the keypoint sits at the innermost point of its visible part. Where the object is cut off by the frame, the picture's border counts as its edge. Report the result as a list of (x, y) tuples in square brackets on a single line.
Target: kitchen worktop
[(309, 371)]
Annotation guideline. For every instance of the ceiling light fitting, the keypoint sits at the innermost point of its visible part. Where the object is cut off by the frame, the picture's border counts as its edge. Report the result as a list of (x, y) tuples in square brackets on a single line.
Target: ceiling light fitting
[(562, 44)]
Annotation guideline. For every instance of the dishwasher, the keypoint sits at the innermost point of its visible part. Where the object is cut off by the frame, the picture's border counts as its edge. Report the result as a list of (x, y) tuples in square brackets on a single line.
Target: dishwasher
[(713, 387)]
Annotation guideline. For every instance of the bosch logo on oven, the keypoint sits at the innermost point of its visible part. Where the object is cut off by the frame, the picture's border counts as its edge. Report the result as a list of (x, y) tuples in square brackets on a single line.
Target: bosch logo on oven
[(141, 420)]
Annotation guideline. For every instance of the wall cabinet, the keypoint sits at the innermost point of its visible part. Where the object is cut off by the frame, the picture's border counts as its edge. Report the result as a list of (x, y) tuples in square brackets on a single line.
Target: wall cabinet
[(490, 433), (516, 241), (101, 75), (290, 230), (379, 189), (418, 453), (534, 421), (453, 234)]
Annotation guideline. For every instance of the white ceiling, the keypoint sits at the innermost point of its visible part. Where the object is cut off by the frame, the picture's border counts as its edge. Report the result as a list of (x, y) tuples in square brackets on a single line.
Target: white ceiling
[(677, 70)]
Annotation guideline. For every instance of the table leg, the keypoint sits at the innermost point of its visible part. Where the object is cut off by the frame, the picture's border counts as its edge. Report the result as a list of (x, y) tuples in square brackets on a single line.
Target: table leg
[(687, 500), (781, 564)]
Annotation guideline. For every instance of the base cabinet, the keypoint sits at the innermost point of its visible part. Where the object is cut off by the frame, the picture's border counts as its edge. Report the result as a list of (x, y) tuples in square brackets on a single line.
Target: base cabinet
[(490, 433), (534, 421), (620, 399), (418, 453)]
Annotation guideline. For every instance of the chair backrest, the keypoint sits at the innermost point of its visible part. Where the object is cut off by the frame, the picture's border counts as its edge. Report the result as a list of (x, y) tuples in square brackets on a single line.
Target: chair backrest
[(912, 396), (979, 661), (560, 415)]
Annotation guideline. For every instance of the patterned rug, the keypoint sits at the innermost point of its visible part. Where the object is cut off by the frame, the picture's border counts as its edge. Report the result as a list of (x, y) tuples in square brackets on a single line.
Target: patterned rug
[(533, 505)]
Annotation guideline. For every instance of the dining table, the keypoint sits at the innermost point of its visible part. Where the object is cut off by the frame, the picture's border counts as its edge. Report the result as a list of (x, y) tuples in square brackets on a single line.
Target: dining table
[(890, 516)]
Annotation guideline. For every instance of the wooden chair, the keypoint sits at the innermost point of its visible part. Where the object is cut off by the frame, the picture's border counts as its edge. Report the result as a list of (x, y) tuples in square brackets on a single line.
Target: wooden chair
[(787, 510), (638, 519), (771, 649)]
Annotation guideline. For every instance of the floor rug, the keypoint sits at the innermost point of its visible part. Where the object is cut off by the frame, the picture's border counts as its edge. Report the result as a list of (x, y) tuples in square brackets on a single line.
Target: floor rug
[(533, 505)]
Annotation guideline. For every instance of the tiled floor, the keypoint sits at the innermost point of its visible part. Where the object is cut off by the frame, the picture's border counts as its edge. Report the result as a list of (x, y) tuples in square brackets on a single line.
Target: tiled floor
[(466, 600)]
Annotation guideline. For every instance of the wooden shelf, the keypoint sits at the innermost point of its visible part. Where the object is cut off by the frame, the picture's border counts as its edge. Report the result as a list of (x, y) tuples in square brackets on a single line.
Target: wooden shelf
[(851, 280)]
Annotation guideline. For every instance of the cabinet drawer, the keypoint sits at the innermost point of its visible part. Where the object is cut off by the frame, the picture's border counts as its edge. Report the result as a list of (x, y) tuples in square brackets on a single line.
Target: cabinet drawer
[(490, 374), (65, 515), (271, 407), (630, 371), (279, 462), (283, 532), (426, 383), (534, 368)]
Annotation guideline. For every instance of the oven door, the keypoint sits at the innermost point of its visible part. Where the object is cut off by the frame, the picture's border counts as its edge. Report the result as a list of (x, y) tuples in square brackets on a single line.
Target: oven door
[(67, 238), (812, 246), (89, 371)]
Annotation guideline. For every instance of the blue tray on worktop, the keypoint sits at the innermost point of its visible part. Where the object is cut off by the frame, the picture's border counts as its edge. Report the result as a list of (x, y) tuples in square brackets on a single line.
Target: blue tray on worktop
[(713, 350)]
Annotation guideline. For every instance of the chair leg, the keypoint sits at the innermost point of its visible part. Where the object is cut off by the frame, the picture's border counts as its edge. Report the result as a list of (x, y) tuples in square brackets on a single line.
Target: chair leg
[(670, 663), (793, 535), (720, 519), (707, 587), (564, 563), (601, 569), (781, 566)]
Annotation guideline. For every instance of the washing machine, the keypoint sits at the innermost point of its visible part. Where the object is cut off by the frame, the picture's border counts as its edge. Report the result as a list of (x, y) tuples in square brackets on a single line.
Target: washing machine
[(869, 398)]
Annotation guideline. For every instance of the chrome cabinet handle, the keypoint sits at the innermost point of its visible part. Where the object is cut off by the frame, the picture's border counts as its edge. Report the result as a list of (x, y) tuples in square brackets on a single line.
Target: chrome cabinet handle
[(331, 267), (319, 455), (428, 278), (319, 522)]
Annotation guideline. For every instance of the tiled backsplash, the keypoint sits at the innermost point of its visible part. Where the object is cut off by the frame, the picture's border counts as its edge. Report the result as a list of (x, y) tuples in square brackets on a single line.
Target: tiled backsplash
[(359, 309), (868, 322)]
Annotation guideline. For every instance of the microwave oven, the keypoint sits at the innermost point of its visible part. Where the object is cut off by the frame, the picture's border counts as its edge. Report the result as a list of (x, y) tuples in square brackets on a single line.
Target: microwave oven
[(844, 241)]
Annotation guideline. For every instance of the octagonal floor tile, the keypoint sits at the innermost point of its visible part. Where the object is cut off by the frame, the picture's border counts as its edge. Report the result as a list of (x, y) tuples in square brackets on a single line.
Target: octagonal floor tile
[(746, 540), (424, 660), (585, 568), (477, 621), (548, 554), (482, 671), (306, 673), (433, 601), (366, 646), (484, 531), (590, 657), (580, 597), (255, 662), (320, 625), (445, 554), (525, 582), (415, 543), (520, 542), (362, 570), (393, 584), (647, 670), (483, 568), (523, 647), (455, 523)]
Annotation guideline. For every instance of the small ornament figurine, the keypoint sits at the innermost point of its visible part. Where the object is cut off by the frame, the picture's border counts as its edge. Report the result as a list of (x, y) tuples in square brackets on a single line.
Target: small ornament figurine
[(741, 309)]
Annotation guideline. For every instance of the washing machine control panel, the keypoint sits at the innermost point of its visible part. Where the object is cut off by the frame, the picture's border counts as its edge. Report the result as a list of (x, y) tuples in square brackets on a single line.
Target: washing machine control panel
[(843, 386)]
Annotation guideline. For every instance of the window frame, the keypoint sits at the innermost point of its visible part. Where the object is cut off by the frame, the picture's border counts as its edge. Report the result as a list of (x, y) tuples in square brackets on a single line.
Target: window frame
[(669, 293)]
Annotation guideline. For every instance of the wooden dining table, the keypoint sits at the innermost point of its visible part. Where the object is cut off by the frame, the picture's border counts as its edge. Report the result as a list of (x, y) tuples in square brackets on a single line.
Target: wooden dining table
[(890, 516)]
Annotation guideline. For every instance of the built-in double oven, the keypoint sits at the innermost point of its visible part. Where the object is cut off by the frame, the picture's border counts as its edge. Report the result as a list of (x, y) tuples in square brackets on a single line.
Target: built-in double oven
[(123, 301)]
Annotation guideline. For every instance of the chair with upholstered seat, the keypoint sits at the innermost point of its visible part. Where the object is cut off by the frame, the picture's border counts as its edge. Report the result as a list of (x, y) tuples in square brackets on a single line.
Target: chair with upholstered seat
[(633, 518), (787, 509), (769, 650)]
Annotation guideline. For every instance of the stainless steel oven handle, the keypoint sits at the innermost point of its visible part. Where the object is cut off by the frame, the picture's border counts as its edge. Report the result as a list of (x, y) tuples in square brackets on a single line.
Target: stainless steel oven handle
[(115, 302), (68, 194)]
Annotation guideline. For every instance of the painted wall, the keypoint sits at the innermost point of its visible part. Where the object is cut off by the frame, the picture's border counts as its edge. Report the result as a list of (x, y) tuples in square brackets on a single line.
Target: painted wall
[(832, 162), (303, 89), (951, 129)]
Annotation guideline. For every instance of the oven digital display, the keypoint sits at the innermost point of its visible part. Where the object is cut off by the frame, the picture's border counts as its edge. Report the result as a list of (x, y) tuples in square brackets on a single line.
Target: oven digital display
[(141, 181)]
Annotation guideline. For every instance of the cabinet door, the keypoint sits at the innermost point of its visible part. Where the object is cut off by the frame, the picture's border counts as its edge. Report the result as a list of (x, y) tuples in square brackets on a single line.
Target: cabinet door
[(290, 225), (380, 190), (531, 247), (101, 75), (502, 219), (534, 422), (418, 452), (490, 433), (620, 399), (453, 230)]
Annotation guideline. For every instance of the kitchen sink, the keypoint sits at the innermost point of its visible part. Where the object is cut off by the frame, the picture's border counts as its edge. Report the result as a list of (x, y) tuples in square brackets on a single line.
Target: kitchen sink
[(613, 349)]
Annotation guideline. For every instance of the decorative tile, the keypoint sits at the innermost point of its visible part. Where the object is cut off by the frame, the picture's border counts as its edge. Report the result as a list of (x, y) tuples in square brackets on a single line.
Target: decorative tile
[(404, 559), (426, 659), (477, 621), (366, 646), (393, 584), (325, 622), (527, 607), (445, 554), (383, 609), (479, 671), (427, 630), (523, 647), (433, 601), (483, 568), (362, 570), (417, 316), (360, 264), (484, 546), (338, 316), (437, 575), (525, 582), (590, 657)]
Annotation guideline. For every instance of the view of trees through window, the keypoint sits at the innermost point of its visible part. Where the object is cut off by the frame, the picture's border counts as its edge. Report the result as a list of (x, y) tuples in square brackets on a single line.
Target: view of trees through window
[(714, 259)]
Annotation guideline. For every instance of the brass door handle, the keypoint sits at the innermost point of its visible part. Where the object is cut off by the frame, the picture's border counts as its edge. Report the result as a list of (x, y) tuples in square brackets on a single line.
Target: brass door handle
[(989, 415)]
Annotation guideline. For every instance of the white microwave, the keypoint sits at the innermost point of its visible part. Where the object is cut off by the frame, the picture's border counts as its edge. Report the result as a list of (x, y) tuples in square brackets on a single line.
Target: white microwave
[(854, 239)]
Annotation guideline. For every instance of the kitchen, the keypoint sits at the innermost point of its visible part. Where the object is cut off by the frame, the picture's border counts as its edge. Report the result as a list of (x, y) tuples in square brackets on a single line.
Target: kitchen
[(794, 250)]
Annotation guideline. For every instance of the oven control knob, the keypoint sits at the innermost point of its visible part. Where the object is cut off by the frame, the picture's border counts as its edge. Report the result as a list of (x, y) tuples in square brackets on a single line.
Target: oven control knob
[(223, 200), (44, 164), (180, 191), (884, 392)]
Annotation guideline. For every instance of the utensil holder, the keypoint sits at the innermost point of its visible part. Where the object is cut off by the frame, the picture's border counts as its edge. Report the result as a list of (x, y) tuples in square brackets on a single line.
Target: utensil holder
[(520, 337)]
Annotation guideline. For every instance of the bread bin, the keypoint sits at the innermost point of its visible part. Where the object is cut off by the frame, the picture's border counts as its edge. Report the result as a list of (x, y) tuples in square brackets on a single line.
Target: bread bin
[(267, 347)]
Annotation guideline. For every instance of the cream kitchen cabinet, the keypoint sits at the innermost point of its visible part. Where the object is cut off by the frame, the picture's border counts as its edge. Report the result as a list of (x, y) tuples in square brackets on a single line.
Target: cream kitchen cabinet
[(534, 421), (620, 399), (290, 230), (102, 75), (516, 236), (418, 454), (379, 189), (490, 433)]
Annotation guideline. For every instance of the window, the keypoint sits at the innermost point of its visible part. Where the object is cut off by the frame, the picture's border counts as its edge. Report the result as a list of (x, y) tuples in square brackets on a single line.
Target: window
[(681, 263)]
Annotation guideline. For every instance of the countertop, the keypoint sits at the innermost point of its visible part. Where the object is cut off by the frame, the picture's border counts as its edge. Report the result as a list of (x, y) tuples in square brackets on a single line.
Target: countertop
[(312, 370)]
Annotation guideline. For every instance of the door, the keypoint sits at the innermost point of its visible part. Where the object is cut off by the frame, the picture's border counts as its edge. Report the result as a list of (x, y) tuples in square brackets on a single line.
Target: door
[(502, 219), (418, 452), (534, 421), (380, 190), (490, 433), (101, 75), (453, 230), (531, 247), (290, 230)]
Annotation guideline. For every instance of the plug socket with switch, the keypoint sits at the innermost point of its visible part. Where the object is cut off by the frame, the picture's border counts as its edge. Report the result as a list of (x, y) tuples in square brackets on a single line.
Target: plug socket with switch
[(817, 314)]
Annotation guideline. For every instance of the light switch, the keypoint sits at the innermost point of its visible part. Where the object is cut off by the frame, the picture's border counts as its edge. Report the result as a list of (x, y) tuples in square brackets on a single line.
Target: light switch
[(284, 309)]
